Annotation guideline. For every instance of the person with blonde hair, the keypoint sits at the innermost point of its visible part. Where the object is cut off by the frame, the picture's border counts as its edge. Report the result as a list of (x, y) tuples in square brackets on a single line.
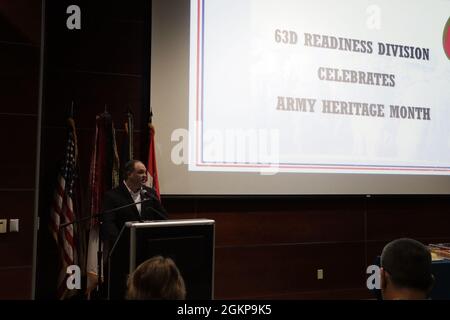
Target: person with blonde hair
[(157, 278)]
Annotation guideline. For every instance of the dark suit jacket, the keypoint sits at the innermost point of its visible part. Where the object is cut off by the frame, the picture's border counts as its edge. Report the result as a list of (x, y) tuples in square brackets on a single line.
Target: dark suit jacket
[(113, 222)]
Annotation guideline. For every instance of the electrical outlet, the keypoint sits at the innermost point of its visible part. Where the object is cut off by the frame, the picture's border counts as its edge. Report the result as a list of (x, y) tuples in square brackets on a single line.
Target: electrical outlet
[(14, 225), (3, 225), (319, 274)]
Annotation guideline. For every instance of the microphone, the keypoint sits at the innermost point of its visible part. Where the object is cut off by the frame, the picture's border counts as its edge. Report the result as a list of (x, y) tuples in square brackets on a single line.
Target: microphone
[(145, 194), (148, 195)]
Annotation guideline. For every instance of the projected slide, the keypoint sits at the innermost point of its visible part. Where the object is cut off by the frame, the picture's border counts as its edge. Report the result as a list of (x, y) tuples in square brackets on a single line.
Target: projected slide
[(320, 86)]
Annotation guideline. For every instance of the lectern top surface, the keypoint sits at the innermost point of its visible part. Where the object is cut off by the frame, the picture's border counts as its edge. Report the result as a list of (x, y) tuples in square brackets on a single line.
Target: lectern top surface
[(168, 223)]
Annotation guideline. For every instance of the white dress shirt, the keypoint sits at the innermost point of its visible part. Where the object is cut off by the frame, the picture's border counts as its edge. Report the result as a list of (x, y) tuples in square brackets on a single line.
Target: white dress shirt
[(136, 197)]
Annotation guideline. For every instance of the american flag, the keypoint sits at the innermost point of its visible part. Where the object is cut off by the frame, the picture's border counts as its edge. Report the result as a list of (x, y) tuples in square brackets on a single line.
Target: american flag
[(63, 210)]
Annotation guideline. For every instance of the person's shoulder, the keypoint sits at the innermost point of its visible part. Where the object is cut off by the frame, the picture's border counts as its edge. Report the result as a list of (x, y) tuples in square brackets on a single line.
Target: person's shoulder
[(114, 191)]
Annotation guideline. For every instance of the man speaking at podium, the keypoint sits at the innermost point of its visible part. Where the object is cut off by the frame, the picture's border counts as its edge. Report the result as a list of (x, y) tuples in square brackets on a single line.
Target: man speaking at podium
[(130, 190)]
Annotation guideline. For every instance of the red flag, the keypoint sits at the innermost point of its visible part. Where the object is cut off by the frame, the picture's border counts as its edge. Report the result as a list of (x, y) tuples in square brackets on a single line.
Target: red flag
[(103, 176), (64, 210), (152, 172)]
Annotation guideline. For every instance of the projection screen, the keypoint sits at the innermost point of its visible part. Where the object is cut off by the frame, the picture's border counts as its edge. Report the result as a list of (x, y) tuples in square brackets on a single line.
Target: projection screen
[(301, 97)]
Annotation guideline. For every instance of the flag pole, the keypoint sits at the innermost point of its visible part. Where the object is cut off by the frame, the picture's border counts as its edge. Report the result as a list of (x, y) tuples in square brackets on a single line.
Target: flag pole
[(130, 124)]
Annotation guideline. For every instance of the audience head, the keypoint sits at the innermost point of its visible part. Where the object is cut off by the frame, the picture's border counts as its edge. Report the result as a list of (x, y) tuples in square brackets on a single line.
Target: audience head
[(157, 278), (406, 270), (135, 174)]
